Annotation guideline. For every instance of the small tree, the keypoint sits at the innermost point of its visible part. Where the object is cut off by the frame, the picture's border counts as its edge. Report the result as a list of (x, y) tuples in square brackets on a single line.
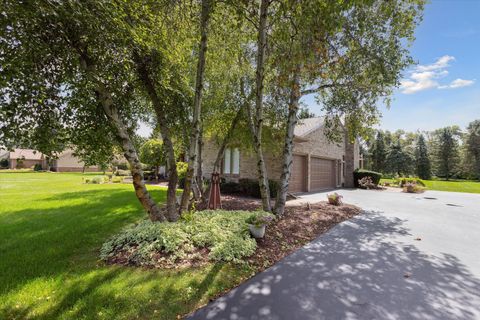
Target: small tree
[(423, 166), (152, 153)]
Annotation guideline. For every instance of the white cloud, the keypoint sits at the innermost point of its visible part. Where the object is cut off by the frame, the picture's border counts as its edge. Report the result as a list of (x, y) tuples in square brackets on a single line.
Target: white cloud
[(441, 63), (425, 77), (458, 83)]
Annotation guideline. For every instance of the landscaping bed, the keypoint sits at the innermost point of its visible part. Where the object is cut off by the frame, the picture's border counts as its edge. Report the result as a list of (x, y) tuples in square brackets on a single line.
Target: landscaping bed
[(222, 236)]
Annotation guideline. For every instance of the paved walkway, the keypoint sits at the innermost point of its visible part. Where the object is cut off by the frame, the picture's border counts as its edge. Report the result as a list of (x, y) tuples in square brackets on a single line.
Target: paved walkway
[(372, 266)]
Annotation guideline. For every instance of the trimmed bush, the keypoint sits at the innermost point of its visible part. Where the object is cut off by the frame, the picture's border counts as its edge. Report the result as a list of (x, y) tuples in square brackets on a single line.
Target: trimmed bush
[(251, 188), (401, 182), (223, 233), (117, 179), (360, 174), (37, 167), (230, 187), (122, 173), (4, 163), (96, 180)]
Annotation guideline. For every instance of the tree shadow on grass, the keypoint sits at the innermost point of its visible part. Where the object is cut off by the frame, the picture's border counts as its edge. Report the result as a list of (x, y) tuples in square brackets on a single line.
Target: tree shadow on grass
[(61, 244), (359, 270)]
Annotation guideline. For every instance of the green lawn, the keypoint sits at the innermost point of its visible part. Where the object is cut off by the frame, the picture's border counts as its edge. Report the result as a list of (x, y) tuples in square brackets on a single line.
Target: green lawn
[(453, 185), (51, 229)]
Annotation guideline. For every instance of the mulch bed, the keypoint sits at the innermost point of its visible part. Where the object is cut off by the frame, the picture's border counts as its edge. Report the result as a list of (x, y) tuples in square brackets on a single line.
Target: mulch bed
[(299, 225)]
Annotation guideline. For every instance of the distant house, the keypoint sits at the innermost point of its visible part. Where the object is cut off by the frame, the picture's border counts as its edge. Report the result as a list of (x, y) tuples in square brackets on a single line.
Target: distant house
[(318, 164), (67, 162), (28, 158)]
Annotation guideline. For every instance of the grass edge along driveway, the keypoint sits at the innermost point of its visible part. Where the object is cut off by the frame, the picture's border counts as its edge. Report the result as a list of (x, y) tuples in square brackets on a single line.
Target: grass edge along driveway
[(468, 186), (51, 228)]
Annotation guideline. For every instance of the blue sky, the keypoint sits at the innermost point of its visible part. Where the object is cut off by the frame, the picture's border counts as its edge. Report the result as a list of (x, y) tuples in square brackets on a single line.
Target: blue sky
[(443, 89)]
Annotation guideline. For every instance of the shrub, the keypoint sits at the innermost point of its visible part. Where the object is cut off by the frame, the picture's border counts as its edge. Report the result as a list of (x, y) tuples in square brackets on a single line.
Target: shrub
[(37, 167), (96, 180), (4, 163), (412, 187), (401, 182), (122, 173), (251, 188), (366, 183), (230, 187), (117, 179), (360, 173), (223, 233), (182, 173), (335, 199)]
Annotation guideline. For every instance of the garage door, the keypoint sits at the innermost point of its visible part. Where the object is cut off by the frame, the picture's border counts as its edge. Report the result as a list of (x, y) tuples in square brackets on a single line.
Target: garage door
[(322, 174), (299, 174)]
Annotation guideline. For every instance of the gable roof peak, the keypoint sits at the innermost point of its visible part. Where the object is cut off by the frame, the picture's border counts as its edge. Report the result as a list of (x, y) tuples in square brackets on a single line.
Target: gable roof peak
[(308, 125)]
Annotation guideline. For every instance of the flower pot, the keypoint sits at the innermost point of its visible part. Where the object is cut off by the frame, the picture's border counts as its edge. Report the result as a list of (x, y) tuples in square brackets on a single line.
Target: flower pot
[(257, 232)]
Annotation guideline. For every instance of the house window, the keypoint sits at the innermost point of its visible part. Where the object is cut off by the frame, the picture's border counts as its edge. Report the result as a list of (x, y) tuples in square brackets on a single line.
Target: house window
[(231, 161), (343, 166)]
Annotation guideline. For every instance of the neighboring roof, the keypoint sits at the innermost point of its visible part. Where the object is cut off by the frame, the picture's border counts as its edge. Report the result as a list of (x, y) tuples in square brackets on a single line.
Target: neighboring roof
[(305, 126), (27, 154), (4, 154)]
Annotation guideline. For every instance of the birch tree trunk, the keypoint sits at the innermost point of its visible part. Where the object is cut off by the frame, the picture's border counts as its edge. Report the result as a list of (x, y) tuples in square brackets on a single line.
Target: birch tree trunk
[(105, 100), (257, 123), (349, 159), (131, 155), (142, 70), (288, 147), (199, 173), (197, 107)]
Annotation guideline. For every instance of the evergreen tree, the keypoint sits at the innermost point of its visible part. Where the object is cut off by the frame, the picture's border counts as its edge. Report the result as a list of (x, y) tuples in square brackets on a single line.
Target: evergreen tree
[(473, 146), (446, 151), (379, 153), (422, 160), (399, 161)]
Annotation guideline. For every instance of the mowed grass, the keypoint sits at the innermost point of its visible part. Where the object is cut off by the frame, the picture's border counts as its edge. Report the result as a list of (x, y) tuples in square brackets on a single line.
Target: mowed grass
[(51, 229), (452, 185)]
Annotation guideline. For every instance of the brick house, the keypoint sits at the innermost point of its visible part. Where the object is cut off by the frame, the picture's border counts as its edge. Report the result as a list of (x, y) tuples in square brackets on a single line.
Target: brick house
[(28, 158), (318, 164)]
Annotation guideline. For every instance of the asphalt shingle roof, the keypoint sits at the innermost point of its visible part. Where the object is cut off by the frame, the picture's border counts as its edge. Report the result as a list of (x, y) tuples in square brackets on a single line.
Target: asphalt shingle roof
[(27, 154), (305, 126)]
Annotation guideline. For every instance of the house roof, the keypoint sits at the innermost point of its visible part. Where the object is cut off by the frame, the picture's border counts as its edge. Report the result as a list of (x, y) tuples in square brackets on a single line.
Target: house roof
[(306, 126), (27, 154)]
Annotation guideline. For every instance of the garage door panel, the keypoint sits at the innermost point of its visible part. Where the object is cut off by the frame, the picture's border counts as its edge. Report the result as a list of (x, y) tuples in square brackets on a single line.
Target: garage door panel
[(322, 174), (299, 174)]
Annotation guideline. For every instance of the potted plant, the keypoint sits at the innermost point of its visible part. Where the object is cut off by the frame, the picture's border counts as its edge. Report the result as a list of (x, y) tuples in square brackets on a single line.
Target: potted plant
[(257, 223), (335, 199)]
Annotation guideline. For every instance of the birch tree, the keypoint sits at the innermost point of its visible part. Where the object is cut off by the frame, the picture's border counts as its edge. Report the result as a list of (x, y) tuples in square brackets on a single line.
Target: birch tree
[(197, 106), (347, 54), (255, 117)]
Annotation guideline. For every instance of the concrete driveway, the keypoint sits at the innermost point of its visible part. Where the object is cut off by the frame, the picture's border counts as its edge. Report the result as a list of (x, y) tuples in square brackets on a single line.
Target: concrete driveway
[(374, 266)]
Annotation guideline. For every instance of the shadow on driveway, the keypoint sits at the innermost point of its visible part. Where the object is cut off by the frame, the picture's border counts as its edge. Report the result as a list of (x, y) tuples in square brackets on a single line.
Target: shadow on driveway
[(358, 270)]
